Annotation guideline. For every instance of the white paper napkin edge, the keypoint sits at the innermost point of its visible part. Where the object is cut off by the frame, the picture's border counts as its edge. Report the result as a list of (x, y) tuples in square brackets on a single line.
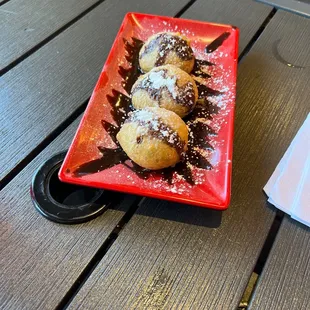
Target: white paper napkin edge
[(280, 169)]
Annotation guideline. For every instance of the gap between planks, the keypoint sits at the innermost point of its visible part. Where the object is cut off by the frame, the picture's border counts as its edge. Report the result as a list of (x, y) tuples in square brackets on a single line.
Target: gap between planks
[(47, 39), (257, 34), (261, 261), (4, 2), (185, 8), (90, 267), (48, 140)]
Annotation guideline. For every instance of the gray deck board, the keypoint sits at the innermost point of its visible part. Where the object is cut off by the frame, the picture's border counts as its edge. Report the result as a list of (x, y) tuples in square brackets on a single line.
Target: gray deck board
[(285, 281), (24, 24), (244, 14)]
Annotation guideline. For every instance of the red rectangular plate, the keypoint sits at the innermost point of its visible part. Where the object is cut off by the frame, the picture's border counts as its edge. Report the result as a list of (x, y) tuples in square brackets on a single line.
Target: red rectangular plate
[(212, 186)]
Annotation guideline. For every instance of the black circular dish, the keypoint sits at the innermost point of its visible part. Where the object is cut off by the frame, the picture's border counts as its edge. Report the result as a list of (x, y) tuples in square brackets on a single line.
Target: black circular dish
[(62, 202)]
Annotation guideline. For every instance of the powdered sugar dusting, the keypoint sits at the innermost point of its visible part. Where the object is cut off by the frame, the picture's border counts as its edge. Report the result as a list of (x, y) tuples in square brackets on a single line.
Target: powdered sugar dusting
[(143, 115), (158, 80)]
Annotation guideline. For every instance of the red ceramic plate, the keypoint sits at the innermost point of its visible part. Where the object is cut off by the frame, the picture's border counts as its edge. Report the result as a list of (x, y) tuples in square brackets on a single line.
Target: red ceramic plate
[(92, 159)]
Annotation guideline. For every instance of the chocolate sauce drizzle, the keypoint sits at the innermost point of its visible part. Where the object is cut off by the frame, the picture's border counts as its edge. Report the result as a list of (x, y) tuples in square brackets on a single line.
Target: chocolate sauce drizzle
[(205, 91), (168, 43), (110, 158), (121, 107), (215, 44), (198, 68), (203, 109), (131, 74)]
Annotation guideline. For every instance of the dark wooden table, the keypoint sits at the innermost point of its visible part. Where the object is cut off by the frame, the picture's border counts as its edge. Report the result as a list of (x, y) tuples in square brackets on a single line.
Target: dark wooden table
[(146, 253)]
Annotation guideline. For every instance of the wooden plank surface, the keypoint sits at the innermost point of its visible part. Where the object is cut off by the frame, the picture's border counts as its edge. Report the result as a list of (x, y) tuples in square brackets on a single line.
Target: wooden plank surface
[(285, 281), (24, 24), (40, 260), (172, 256), (42, 91), (245, 14)]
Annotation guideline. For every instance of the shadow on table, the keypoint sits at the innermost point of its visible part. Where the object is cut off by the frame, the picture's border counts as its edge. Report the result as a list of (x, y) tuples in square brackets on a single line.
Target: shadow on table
[(180, 213)]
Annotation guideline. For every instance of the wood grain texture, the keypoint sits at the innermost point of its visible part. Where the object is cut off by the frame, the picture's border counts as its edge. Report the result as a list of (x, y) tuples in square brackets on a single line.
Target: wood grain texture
[(40, 260), (25, 24), (174, 256), (42, 91), (285, 281), (246, 15)]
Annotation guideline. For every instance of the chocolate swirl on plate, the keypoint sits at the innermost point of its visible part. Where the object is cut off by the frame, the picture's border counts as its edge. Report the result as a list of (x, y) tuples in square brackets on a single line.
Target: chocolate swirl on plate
[(215, 44)]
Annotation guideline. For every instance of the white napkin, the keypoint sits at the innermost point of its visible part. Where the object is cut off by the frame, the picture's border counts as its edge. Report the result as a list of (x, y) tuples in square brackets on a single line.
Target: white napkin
[(289, 186)]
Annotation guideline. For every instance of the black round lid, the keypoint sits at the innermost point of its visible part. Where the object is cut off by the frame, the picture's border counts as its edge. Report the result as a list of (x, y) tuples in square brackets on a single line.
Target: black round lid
[(63, 202)]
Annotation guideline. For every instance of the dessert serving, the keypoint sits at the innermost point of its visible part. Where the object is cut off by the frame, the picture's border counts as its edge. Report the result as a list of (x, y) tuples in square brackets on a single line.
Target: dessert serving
[(154, 138), (166, 48), (159, 122)]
